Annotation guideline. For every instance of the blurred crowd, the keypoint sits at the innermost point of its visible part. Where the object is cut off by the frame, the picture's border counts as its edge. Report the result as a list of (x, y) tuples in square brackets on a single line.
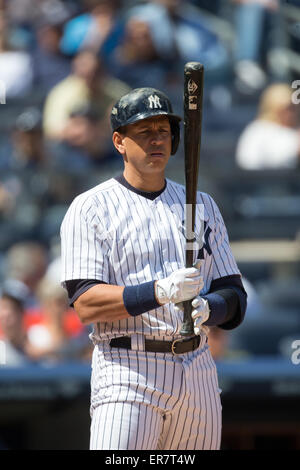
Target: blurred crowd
[(36, 323), (64, 63)]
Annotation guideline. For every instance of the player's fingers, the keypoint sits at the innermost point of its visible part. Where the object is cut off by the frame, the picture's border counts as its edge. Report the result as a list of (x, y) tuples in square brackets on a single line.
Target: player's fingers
[(193, 280), (190, 294), (193, 286), (201, 328), (196, 302), (194, 314), (199, 321), (191, 272), (197, 330), (178, 307), (194, 289), (198, 263), (197, 327)]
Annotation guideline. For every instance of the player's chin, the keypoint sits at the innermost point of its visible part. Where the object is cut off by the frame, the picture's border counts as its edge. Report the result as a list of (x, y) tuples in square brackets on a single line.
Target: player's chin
[(156, 167), (157, 159)]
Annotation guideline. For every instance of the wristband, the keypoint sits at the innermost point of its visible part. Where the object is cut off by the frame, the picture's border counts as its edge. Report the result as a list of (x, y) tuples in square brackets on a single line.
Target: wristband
[(140, 299)]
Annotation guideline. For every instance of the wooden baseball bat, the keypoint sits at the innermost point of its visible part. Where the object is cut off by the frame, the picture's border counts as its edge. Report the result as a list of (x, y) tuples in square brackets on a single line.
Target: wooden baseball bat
[(193, 99)]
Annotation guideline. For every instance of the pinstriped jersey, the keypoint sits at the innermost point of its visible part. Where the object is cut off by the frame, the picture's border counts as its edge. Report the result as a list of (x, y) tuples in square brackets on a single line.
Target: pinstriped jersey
[(118, 236)]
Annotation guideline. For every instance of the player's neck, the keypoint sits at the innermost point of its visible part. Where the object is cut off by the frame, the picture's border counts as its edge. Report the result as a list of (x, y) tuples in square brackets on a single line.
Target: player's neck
[(149, 183)]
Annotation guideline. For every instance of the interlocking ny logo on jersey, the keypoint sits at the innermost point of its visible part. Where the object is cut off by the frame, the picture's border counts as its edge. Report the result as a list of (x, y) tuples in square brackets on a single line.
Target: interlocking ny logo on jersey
[(202, 239), (206, 245), (154, 102)]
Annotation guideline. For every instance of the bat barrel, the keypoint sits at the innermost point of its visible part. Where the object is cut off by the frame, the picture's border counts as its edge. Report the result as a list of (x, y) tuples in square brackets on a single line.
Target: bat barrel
[(193, 98)]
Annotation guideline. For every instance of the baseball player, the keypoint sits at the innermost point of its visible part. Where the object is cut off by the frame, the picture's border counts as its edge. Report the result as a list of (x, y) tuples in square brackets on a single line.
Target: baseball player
[(123, 258)]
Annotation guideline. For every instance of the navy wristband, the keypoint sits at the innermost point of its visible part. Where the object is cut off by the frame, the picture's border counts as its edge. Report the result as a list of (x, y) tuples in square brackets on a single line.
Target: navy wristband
[(140, 299)]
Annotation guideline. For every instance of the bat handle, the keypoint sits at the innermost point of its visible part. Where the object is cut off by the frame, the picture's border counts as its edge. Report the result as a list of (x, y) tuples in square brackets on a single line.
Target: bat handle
[(187, 328)]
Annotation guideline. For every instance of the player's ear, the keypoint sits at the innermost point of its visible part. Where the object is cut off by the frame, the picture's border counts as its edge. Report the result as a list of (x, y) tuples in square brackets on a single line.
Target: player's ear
[(118, 139)]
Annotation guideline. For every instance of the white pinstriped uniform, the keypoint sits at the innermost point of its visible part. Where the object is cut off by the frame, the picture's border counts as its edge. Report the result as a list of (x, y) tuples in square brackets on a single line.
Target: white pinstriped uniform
[(144, 400)]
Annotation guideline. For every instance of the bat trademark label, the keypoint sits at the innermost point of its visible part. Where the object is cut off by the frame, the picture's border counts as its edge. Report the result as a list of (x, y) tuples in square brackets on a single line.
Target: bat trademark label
[(192, 86), (192, 102)]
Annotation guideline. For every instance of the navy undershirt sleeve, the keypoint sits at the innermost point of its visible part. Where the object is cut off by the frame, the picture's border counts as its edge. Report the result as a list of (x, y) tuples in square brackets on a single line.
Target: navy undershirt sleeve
[(77, 287), (227, 300)]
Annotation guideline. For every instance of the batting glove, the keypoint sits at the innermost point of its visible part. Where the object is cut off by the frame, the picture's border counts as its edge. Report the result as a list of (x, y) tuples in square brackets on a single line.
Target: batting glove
[(200, 314), (183, 284)]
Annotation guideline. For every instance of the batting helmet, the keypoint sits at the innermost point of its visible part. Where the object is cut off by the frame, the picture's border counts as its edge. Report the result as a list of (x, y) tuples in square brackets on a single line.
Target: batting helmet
[(143, 103)]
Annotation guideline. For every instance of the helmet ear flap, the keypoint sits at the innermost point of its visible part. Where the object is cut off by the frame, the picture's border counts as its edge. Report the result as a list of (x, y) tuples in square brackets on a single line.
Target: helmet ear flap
[(175, 131)]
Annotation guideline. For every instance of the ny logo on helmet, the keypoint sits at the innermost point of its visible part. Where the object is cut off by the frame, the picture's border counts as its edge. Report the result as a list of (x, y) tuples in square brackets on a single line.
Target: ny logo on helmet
[(154, 101)]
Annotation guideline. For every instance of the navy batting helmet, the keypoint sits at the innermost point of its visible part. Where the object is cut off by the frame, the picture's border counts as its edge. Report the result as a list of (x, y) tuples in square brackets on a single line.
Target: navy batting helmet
[(143, 103)]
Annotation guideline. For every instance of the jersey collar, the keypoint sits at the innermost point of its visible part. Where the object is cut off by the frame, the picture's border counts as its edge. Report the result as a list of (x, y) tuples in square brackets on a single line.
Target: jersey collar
[(147, 194)]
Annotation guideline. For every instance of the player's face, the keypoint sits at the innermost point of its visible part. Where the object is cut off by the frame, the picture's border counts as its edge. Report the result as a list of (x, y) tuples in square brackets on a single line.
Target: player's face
[(146, 145)]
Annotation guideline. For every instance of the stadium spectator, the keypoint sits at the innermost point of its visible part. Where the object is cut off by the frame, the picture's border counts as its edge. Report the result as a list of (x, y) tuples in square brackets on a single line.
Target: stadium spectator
[(272, 140), (12, 330), (88, 83), (15, 64), (181, 33), (97, 28), (26, 262), (26, 14), (54, 331), (26, 189), (24, 149), (50, 66), (136, 61), (85, 143), (257, 30)]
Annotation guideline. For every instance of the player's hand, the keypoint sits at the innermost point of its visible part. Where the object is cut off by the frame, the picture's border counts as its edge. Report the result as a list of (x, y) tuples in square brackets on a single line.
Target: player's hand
[(183, 284), (200, 313)]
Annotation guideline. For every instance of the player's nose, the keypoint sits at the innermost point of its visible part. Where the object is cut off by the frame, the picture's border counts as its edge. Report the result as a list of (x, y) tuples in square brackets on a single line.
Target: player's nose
[(156, 137)]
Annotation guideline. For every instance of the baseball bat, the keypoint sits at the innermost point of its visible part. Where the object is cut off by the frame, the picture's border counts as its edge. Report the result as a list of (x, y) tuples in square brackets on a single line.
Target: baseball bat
[(193, 99)]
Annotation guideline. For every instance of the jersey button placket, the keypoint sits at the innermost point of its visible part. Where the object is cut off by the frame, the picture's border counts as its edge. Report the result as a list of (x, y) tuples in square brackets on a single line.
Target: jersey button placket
[(159, 218), (157, 225)]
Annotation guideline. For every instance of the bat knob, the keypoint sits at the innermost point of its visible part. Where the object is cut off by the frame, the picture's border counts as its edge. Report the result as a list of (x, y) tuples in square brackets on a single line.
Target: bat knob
[(193, 66)]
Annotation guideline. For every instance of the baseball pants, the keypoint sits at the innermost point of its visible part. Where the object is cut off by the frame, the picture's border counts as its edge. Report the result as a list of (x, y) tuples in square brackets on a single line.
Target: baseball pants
[(154, 401)]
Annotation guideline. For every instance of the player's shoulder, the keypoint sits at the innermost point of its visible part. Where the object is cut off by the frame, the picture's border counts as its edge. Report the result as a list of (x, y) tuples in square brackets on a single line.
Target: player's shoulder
[(206, 199), (177, 187), (94, 193), (91, 201)]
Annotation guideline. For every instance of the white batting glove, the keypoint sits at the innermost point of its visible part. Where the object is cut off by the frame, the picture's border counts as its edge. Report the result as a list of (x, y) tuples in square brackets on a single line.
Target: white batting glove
[(200, 314), (183, 284)]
